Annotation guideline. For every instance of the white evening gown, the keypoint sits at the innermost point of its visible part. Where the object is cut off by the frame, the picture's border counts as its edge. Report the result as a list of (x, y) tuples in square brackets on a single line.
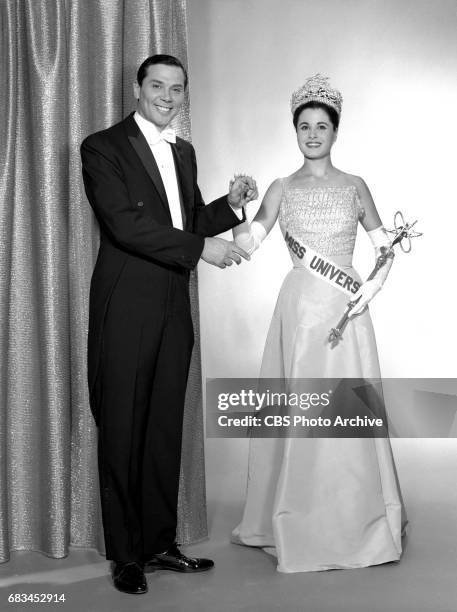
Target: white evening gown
[(321, 503)]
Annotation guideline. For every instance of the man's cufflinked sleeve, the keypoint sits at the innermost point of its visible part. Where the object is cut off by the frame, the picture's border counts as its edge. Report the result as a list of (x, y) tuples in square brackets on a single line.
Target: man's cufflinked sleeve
[(129, 228)]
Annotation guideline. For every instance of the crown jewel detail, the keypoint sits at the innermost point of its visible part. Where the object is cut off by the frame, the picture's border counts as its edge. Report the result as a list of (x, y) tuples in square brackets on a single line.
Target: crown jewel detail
[(317, 89)]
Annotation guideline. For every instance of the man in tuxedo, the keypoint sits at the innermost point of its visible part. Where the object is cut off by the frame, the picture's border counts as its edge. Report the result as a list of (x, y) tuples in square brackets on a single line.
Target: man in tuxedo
[(141, 182)]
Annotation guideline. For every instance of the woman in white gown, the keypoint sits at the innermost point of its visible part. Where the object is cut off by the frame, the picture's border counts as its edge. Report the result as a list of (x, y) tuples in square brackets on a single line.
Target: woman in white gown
[(320, 503)]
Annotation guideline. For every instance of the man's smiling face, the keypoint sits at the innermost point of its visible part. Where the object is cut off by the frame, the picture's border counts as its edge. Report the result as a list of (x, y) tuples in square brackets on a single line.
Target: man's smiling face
[(161, 94)]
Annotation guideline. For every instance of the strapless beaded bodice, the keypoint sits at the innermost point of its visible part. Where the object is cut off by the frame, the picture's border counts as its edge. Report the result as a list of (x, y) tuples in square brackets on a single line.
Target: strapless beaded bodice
[(324, 218)]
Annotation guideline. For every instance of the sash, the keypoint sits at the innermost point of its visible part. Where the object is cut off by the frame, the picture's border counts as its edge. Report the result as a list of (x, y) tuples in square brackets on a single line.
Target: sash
[(321, 266)]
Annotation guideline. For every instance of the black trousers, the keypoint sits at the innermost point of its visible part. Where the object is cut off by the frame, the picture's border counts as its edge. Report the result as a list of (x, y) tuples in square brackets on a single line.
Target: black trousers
[(147, 345)]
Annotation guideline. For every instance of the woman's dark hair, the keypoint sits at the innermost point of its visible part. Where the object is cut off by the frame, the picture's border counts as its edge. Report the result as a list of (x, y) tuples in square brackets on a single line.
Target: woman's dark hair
[(331, 112), (168, 60)]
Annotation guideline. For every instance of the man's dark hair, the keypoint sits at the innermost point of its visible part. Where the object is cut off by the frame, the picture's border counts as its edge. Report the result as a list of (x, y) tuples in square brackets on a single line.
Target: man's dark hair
[(331, 112), (168, 60)]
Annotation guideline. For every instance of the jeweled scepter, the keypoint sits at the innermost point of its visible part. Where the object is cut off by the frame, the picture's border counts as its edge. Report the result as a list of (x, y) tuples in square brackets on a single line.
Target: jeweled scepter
[(402, 231)]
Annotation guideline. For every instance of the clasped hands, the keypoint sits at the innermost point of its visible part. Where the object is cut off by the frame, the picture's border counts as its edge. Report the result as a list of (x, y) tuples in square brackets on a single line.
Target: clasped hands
[(222, 253)]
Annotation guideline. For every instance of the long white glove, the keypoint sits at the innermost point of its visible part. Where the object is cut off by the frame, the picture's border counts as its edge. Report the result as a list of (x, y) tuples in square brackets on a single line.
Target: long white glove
[(370, 287), (250, 241)]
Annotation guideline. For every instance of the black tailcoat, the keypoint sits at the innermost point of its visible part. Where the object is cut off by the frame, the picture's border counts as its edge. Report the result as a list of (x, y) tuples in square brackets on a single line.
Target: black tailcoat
[(141, 273)]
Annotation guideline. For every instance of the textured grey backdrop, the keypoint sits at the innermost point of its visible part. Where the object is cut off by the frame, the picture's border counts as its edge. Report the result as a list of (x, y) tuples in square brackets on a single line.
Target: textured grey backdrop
[(66, 70)]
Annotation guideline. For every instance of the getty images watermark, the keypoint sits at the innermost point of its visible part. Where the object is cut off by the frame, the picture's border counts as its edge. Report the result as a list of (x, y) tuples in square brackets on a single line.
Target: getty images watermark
[(324, 407)]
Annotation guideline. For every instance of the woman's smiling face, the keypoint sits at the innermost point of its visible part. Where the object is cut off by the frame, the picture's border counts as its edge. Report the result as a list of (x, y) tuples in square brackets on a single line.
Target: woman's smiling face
[(315, 133)]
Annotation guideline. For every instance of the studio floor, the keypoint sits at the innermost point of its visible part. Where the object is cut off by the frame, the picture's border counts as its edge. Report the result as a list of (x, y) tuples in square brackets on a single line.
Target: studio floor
[(246, 579)]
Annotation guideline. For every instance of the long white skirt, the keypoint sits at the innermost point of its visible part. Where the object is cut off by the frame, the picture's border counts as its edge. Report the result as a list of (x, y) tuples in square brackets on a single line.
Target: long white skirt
[(321, 503)]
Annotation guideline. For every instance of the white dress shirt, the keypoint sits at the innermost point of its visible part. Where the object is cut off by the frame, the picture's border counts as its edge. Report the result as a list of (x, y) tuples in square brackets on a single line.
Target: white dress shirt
[(163, 155), (161, 149)]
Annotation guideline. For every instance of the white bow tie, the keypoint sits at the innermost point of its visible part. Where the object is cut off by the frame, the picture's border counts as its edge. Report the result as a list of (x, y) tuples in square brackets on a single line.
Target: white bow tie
[(168, 135)]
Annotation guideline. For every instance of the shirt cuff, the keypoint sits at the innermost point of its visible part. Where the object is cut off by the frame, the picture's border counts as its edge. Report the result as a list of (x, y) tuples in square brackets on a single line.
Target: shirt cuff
[(239, 212)]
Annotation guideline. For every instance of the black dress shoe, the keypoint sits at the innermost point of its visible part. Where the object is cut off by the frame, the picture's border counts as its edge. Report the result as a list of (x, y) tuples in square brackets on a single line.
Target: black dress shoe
[(129, 578), (173, 559)]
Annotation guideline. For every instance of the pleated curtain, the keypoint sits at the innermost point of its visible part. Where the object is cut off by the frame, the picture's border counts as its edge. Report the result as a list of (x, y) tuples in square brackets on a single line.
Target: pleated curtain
[(66, 69)]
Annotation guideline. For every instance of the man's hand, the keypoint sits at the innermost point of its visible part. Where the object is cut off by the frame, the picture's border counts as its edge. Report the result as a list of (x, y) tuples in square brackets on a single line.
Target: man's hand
[(242, 189), (221, 253)]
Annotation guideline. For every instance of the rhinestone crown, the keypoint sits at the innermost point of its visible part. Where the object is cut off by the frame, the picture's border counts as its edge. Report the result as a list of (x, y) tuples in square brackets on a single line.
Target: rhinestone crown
[(317, 89)]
